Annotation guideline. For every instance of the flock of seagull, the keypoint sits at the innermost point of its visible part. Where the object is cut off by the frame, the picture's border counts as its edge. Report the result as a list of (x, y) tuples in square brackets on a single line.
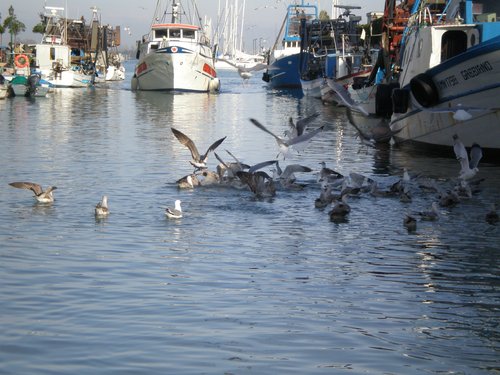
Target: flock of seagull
[(335, 189)]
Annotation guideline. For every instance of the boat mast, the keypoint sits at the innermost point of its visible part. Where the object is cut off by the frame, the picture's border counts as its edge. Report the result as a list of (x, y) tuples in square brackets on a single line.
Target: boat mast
[(242, 22)]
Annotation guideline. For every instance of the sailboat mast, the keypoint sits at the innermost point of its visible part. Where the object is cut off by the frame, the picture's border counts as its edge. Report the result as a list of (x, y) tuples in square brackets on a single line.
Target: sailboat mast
[(242, 22)]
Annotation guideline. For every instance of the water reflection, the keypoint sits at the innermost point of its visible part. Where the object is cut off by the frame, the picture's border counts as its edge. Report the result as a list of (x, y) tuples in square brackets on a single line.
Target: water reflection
[(265, 281)]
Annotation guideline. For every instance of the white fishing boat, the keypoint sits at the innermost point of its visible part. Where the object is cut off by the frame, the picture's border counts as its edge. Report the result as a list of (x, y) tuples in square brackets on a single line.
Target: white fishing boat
[(175, 55), (4, 87), (450, 78), (4, 90), (56, 61)]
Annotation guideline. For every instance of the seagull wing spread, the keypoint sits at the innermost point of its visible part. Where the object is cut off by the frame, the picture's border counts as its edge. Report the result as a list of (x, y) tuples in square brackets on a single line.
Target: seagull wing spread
[(461, 154), (260, 165), (305, 137), (475, 155), (186, 141), (302, 123), (35, 188), (262, 127)]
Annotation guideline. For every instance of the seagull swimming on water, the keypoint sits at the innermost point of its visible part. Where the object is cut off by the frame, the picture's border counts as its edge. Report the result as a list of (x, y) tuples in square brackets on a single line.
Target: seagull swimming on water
[(432, 214), (40, 195), (410, 223), (340, 210), (101, 209), (492, 216), (176, 212), (299, 142), (260, 183), (468, 168), (188, 182), (198, 161)]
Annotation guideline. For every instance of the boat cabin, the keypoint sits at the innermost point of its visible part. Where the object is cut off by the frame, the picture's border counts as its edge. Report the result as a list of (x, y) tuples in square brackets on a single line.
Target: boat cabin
[(169, 34), (457, 26)]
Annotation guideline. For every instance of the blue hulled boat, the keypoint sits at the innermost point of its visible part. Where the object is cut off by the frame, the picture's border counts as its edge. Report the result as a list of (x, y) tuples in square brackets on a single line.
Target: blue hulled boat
[(284, 61)]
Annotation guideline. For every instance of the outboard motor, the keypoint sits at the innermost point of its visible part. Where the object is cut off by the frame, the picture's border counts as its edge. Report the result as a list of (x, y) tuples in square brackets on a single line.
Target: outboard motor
[(33, 82)]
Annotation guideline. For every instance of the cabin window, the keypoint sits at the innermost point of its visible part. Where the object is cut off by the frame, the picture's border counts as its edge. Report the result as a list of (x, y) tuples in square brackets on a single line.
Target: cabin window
[(188, 34), (159, 34), (175, 33), (52, 53), (453, 42)]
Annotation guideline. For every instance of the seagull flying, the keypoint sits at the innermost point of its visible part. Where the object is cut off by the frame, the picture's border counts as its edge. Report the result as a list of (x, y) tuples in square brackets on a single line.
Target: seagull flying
[(298, 128), (40, 195), (468, 168), (176, 212), (299, 142), (246, 72), (199, 161)]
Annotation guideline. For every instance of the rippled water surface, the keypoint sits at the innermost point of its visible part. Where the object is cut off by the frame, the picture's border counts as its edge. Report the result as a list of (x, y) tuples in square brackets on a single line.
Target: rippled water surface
[(238, 285)]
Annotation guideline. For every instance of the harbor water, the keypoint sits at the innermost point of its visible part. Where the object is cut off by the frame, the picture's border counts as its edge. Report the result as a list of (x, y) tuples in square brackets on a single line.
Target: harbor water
[(239, 285)]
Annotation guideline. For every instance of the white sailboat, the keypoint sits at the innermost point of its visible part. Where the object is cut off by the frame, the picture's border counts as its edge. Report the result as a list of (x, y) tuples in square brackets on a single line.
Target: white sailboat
[(175, 55), (229, 38)]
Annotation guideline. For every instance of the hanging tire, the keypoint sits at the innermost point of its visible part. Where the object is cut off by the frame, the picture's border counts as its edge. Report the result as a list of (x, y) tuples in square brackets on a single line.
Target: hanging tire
[(400, 99), (383, 99), (424, 90)]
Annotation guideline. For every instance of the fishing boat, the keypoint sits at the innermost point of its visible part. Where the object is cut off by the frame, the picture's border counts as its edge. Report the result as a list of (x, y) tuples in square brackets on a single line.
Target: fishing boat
[(284, 58), (4, 88), (31, 86), (368, 99), (60, 62), (449, 81), (333, 49), (175, 55)]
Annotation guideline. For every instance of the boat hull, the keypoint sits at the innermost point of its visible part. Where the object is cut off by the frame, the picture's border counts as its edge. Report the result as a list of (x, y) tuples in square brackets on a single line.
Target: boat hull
[(176, 68), (69, 79), (284, 72), (468, 87), (313, 87)]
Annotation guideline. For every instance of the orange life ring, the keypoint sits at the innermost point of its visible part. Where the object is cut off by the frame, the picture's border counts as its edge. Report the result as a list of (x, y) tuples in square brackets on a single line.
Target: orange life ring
[(22, 61)]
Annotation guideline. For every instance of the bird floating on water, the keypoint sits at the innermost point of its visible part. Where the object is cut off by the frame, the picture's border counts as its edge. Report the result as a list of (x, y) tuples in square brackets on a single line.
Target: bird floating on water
[(492, 216), (188, 182), (101, 209), (410, 223), (40, 195), (340, 210), (260, 183), (176, 212), (432, 214), (198, 161)]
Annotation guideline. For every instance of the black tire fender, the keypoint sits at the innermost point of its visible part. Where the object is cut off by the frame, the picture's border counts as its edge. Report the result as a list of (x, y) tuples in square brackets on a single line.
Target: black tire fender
[(424, 90)]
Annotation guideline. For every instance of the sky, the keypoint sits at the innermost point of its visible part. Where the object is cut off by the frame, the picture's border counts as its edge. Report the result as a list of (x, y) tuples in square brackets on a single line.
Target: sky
[(262, 20)]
